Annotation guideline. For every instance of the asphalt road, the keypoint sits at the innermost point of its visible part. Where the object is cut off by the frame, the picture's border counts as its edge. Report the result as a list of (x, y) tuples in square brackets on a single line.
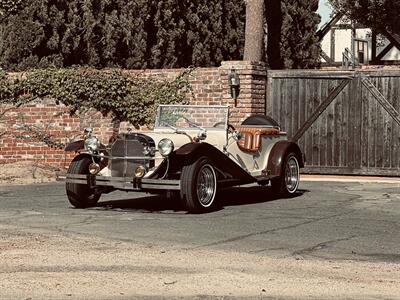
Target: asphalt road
[(326, 220)]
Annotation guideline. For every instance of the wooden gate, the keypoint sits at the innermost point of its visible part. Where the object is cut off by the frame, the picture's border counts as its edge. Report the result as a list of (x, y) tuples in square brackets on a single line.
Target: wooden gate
[(346, 122)]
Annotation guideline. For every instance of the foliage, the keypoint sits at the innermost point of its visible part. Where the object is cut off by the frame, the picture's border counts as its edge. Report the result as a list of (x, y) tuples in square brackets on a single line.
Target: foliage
[(64, 33), (126, 97), (299, 44), (380, 15), (150, 34), (10, 6), (292, 27), (125, 33)]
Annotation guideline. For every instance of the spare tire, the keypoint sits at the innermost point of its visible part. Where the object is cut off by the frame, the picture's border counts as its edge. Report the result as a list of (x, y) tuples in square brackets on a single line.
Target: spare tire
[(261, 120)]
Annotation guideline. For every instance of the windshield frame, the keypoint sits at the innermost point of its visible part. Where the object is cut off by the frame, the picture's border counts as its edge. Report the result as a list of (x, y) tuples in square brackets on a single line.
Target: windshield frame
[(157, 124)]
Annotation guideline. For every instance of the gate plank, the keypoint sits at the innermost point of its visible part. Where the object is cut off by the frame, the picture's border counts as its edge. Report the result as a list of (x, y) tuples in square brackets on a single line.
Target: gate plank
[(365, 137), (356, 123), (321, 108), (381, 99)]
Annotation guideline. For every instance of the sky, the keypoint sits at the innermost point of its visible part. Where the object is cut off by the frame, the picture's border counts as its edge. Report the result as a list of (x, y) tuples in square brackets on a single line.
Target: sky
[(324, 10)]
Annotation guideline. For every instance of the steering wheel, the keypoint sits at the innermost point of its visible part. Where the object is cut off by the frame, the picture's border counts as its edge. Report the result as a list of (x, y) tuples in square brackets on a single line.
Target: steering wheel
[(221, 124)]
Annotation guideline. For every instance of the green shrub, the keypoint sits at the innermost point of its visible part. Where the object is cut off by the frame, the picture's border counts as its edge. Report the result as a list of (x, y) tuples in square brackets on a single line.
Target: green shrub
[(126, 97)]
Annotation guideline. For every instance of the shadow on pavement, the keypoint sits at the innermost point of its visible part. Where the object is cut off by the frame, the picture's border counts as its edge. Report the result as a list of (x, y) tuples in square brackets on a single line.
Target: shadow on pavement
[(250, 195), (227, 197), (153, 203)]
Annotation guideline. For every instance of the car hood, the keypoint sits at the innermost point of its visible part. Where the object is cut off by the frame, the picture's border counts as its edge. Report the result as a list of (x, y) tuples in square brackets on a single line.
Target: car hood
[(215, 138), (178, 139)]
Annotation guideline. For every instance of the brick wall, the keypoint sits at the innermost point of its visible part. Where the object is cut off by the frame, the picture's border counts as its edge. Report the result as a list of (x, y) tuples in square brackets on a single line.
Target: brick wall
[(210, 86)]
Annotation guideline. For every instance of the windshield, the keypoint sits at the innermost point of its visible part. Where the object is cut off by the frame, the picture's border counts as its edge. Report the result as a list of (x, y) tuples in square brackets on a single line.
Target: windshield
[(192, 116)]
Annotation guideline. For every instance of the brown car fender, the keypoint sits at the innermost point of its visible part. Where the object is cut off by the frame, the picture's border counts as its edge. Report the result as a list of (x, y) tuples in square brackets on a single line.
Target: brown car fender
[(189, 153), (75, 146), (277, 155), (79, 146)]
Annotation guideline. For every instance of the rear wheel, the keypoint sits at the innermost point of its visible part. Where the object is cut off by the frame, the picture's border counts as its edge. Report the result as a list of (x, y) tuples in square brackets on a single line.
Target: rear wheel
[(287, 184), (80, 195), (199, 186)]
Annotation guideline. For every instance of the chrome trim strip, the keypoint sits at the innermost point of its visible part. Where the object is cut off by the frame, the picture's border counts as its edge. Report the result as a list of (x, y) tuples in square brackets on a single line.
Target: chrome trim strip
[(127, 157), (125, 183)]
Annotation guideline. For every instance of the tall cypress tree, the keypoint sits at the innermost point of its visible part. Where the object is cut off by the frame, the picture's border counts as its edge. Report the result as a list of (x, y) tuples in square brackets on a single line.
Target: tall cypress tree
[(299, 44), (233, 15), (201, 33), (170, 28), (150, 33), (99, 33), (8, 7)]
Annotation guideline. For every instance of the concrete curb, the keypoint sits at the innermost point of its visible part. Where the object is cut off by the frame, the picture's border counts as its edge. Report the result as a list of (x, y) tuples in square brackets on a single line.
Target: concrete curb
[(344, 178)]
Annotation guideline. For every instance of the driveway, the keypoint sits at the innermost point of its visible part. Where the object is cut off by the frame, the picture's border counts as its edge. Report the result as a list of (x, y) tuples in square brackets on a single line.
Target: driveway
[(333, 240)]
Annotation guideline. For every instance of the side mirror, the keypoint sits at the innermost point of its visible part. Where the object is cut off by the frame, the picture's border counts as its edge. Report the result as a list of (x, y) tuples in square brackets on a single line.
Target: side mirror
[(202, 135)]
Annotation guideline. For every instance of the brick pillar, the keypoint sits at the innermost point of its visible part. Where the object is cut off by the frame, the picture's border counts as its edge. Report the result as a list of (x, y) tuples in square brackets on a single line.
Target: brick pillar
[(251, 100)]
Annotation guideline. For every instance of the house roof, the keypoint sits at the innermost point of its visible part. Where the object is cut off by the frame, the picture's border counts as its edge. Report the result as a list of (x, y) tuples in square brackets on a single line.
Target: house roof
[(328, 25)]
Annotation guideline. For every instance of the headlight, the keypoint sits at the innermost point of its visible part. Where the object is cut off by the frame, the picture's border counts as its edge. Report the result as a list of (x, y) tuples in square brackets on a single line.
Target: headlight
[(140, 171), (92, 144), (94, 168), (165, 146)]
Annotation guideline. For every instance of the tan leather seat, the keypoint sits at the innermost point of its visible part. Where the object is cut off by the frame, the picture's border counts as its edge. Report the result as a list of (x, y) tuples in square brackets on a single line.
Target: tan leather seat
[(251, 137)]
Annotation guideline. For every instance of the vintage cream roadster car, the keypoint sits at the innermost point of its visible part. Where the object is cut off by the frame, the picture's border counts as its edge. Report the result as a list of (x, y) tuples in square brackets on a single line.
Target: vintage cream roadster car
[(192, 152)]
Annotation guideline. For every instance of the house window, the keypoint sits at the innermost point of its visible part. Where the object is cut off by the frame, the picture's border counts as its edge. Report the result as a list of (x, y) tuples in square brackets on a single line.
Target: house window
[(361, 51)]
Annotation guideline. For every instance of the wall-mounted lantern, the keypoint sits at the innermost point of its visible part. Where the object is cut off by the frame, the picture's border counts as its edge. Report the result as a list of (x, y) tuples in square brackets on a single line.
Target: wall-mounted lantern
[(234, 84)]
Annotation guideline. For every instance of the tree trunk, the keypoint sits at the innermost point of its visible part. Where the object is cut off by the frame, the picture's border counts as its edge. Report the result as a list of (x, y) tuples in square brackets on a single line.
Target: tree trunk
[(254, 34)]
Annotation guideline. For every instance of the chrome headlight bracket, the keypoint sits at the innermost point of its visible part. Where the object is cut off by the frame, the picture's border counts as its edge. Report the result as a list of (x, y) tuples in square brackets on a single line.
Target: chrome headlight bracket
[(91, 143)]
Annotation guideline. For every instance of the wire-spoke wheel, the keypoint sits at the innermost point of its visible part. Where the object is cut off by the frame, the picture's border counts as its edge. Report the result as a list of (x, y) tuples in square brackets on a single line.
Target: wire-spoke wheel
[(198, 186), (288, 182), (292, 174), (206, 184)]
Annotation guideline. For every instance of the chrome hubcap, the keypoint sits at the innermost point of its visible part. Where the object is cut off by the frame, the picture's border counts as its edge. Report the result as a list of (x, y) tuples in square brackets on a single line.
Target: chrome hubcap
[(292, 174), (206, 185)]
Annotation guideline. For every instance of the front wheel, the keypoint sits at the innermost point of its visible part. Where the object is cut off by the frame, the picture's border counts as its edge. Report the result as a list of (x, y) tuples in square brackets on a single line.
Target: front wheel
[(199, 186), (80, 195), (286, 185)]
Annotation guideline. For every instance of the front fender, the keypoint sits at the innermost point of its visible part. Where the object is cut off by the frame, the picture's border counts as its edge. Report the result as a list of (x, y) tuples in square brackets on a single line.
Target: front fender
[(278, 154), (75, 146), (189, 153), (80, 145)]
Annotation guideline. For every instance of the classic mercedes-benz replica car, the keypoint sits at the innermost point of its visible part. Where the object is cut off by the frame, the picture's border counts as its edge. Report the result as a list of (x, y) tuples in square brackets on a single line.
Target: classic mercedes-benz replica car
[(192, 152)]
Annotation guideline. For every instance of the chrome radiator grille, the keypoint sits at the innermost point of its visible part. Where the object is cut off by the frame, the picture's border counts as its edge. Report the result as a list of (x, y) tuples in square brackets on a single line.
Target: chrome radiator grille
[(125, 152)]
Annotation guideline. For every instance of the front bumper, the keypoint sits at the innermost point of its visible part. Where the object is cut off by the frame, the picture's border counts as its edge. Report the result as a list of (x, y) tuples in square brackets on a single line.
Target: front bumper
[(123, 183)]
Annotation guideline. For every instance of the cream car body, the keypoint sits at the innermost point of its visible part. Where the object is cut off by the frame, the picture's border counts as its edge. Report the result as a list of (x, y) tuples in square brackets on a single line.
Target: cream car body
[(191, 153)]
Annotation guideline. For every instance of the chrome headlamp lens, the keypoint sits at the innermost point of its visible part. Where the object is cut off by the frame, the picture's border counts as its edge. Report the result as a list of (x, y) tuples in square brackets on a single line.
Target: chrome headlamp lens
[(92, 144), (140, 171), (165, 146), (94, 168)]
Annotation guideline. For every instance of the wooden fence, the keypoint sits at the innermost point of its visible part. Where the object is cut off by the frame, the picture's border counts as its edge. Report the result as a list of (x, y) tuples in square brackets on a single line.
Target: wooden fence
[(346, 122)]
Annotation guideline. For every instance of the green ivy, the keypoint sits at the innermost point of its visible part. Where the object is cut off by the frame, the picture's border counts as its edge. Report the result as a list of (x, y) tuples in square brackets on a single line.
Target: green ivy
[(125, 97)]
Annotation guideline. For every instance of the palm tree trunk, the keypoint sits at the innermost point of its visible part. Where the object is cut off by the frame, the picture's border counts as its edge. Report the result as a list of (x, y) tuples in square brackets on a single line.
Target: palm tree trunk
[(254, 34)]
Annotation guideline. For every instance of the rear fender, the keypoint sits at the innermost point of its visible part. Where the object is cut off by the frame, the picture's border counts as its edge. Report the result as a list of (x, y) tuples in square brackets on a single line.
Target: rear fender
[(278, 154)]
